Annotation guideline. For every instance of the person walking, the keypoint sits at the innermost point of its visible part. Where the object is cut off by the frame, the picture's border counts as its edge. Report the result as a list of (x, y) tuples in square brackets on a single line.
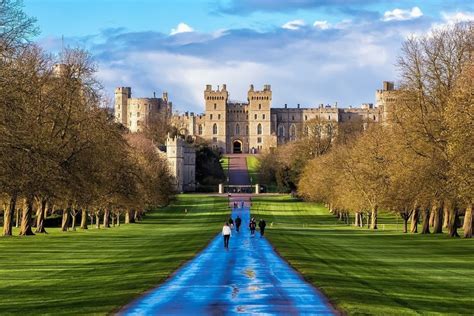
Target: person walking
[(231, 223), (252, 226), (261, 225), (226, 233), (238, 222)]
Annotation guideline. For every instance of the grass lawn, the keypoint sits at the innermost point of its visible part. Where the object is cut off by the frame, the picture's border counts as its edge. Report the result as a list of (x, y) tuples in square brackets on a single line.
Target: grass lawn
[(362, 272), (252, 167), (98, 271), (225, 165)]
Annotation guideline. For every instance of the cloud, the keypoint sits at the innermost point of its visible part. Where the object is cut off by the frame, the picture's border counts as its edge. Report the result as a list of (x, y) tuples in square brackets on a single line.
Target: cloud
[(322, 25), (402, 15), (181, 28), (294, 25), (455, 17)]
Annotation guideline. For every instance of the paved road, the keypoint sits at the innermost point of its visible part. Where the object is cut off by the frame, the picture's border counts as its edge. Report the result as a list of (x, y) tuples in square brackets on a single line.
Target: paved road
[(238, 173), (249, 278)]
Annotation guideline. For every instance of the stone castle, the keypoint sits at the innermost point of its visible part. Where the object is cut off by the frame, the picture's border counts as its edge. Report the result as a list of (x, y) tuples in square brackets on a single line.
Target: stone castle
[(239, 127), (254, 126)]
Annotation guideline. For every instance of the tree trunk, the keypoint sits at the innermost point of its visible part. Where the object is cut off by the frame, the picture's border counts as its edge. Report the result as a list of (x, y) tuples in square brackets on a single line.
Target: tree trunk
[(97, 220), (468, 223), (446, 211), (453, 222), (373, 224), (127, 216), (368, 219), (432, 215), (65, 221), (414, 220), (106, 223), (8, 216), (25, 228), (425, 216), (84, 218), (73, 216), (40, 215), (112, 217), (438, 218), (118, 219), (356, 219), (17, 218), (405, 216)]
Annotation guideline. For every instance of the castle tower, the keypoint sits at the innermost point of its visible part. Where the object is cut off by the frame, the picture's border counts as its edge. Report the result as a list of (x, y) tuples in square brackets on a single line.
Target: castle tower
[(385, 100), (122, 94), (259, 118), (175, 157), (215, 127)]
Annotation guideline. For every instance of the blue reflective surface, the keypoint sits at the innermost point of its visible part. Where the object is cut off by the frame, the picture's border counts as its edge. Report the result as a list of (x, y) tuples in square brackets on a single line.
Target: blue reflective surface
[(249, 278)]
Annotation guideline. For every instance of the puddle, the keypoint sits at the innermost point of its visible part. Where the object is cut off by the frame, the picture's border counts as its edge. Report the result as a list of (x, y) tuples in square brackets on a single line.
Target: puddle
[(249, 273)]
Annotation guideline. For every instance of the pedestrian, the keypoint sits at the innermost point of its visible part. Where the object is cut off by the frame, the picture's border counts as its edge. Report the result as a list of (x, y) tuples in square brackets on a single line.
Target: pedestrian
[(238, 222), (261, 225), (226, 233), (231, 223), (252, 226)]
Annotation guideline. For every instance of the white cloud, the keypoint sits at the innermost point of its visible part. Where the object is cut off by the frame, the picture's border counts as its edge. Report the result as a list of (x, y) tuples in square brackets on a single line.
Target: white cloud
[(294, 25), (181, 28), (323, 25), (402, 15), (454, 17)]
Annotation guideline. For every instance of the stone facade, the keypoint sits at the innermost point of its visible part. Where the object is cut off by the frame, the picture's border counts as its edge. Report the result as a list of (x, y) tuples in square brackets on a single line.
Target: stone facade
[(254, 126), (181, 158), (135, 113)]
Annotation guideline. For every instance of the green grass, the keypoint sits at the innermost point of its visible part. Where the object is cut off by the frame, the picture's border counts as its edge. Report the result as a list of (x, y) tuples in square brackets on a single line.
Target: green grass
[(98, 271), (225, 165), (367, 272), (253, 165)]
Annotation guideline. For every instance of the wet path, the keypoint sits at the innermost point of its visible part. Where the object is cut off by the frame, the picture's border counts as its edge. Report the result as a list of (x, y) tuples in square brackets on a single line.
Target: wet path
[(238, 173), (249, 278)]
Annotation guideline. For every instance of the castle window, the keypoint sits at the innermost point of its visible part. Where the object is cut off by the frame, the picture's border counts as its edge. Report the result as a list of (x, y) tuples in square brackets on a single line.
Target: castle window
[(138, 114), (259, 129), (210, 116), (214, 139), (259, 106), (118, 106), (237, 129), (374, 117), (263, 116), (292, 131), (306, 117), (292, 117), (281, 131), (246, 129), (215, 106), (329, 117), (118, 115), (218, 116), (214, 129), (259, 140), (200, 129), (255, 116)]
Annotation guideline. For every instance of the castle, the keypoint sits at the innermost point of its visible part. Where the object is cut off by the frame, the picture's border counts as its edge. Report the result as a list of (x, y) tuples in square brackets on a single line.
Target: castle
[(254, 126), (239, 127)]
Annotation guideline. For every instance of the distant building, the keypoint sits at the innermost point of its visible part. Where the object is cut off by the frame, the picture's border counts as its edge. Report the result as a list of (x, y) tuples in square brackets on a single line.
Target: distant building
[(251, 126), (181, 158), (136, 113)]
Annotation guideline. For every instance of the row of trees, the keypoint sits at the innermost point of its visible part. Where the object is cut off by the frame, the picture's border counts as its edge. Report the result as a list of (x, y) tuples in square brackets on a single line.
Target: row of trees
[(60, 149), (420, 163)]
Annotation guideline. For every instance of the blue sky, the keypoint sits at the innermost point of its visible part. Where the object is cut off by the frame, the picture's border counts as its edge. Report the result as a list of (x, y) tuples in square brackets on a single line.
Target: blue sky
[(310, 51)]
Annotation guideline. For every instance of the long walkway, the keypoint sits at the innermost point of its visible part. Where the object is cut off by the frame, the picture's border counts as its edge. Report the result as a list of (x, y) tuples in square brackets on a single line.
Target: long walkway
[(249, 278)]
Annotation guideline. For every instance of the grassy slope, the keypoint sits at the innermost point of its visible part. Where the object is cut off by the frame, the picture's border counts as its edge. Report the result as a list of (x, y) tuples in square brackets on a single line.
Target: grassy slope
[(97, 271), (225, 165), (252, 168), (366, 272)]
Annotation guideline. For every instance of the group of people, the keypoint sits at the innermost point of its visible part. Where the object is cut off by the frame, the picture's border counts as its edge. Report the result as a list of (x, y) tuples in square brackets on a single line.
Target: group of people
[(229, 226)]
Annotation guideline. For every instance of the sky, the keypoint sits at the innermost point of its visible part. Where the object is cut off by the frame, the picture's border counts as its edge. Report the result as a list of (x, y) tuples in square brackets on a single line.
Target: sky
[(309, 51)]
